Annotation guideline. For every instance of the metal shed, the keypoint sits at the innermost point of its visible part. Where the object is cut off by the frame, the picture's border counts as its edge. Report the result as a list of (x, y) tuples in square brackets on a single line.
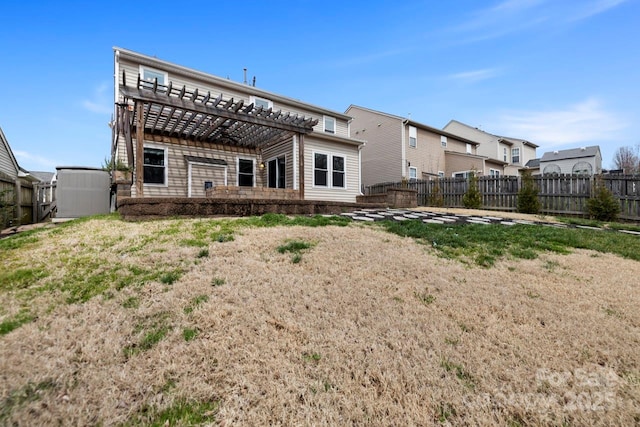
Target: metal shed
[(82, 191)]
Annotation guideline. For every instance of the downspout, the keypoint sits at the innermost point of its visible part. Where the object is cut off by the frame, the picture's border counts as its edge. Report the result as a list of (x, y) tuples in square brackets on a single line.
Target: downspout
[(404, 149)]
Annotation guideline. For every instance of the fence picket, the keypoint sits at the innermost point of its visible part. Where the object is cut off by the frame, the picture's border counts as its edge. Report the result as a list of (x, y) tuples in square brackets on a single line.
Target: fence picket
[(558, 194)]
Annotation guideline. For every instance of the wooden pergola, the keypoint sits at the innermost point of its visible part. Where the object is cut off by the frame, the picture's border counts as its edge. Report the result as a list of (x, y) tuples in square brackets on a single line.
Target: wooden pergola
[(164, 110)]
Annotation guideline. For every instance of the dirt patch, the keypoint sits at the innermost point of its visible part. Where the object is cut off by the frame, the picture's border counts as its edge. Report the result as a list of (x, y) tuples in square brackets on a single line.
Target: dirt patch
[(367, 328)]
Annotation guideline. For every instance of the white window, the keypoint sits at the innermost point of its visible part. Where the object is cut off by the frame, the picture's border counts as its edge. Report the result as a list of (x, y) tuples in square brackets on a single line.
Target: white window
[(494, 172), (329, 170), (462, 174), (261, 102), (413, 137), (515, 155), (246, 171), (155, 165), (443, 140), (413, 173), (468, 148), (149, 76), (504, 154), (329, 124)]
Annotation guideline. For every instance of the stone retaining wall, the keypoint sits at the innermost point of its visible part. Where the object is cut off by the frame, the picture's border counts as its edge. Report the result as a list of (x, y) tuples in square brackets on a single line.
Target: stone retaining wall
[(234, 192), (131, 208)]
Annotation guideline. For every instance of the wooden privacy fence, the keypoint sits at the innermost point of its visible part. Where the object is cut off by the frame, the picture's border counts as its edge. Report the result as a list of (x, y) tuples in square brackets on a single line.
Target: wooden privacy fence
[(23, 202), (558, 194)]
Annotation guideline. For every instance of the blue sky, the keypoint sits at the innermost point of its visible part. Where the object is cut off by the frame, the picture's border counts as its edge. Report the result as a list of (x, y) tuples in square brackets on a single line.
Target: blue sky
[(559, 73)]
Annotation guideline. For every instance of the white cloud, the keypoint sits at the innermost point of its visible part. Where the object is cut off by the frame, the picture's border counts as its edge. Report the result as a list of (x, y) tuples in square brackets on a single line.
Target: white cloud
[(100, 102), (585, 122), (34, 161), (474, 75), (596, 7), (513, 16)]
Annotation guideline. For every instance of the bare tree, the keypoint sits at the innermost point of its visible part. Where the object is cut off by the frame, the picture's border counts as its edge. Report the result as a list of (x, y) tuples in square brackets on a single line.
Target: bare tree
[(627, 159)]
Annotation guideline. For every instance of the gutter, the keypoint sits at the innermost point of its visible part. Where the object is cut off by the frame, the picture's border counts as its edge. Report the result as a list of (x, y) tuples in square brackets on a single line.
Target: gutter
[(404, 149)]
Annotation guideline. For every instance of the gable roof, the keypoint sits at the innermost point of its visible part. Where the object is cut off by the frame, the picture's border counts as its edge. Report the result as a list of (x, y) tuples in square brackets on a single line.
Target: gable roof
[(505, 139), (416, 124), (222, 82), (572, 153)]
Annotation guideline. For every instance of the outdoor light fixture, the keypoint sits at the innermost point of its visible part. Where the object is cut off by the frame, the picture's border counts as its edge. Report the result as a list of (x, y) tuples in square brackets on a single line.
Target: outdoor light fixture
[(261, 166)]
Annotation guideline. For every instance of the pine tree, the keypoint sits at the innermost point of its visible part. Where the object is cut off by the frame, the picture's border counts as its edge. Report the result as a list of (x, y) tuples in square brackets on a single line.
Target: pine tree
[(472, 199), (528, 195)]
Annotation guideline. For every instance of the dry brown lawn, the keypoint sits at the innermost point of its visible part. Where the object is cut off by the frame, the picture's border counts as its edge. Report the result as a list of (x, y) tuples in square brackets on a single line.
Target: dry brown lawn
[(367, 329)]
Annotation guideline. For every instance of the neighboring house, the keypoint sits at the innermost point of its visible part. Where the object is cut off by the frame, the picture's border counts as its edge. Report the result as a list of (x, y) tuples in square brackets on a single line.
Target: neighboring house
[(12, 180), (398, 147), (515, 152), (576, 161), (203, 134)]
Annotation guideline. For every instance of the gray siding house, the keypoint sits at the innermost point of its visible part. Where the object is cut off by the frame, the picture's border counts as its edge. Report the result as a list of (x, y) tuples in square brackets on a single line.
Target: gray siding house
[(516, 153), (576, 161), (186, 133)]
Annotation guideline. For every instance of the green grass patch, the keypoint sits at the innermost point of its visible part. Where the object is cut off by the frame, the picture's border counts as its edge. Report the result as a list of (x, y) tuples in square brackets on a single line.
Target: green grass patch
[(14, 322), (189, 334), (195, 302), (198, 243), (295, 247), (180, 413), (459, 371), (204, 253), (20, 240), (311, 357), (484, 244), (217, 281), (150, 332), (425, 297), (170, 277), (21, 278), (29, 393), (131, 302)]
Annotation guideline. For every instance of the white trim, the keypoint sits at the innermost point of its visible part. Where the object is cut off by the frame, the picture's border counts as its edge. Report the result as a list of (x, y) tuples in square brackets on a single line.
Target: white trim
[(253, 98), (253, 160), (413, 134), (413, 168), (330, 156), (154, 70), (469, 149), (443, 141), (189, 172), (266, 164), (494, 172), (324, 125), (466, 173), (166, 164), (295, 162)]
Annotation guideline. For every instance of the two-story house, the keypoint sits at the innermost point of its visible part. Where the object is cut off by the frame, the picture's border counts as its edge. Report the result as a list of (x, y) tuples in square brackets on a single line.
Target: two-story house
[(516, 153), (186, 133), (575, 161), (398, 147)]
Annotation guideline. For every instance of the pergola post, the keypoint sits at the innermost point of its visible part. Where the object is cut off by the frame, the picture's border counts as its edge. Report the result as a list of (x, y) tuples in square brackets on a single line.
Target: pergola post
[(301, 165), (140, 150)]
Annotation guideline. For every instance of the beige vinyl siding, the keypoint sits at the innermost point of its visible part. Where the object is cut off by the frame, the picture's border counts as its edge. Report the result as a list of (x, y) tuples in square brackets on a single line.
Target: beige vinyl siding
[(133, 69), (459, 162), (283, 149), (6, 165), (177, 179), (201, 173), (382, 153), (314, 144), (428, 155), (566, 165)]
